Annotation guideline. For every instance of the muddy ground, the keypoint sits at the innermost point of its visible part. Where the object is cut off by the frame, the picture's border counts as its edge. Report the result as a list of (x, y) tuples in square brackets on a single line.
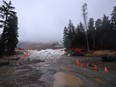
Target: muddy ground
[(61, 73)]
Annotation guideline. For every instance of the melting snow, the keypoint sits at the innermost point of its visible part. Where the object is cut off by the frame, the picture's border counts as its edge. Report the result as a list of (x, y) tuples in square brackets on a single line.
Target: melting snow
[(49, 55)]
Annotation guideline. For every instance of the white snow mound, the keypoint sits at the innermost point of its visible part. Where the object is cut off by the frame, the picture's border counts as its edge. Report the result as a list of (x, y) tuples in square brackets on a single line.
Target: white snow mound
[(49, 55)]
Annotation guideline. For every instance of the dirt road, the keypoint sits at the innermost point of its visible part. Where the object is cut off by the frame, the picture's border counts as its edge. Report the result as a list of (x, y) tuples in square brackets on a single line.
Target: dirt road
[(61, 73)]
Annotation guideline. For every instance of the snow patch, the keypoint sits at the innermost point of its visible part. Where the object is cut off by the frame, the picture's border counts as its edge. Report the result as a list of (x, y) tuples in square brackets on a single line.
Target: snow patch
[(49, 55)]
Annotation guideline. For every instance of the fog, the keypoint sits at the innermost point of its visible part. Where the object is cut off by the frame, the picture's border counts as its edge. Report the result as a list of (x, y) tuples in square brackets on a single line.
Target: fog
[(44, 20)]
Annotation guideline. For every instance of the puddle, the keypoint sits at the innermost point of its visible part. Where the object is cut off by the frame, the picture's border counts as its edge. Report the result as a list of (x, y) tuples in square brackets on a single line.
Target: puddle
[(64, 79)]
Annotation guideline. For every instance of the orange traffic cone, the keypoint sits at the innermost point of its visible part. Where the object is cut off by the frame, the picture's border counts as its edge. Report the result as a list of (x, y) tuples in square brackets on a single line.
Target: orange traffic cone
[(87, 65), (25, 55), (77, 62), (106, 69), (95, 67)]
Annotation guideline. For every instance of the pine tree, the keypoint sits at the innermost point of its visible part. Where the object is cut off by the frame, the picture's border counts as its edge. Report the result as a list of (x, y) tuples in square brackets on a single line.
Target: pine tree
[(12, 35), (113, 18), (80, 36), (102, 35), (113, 27), (65, 38), (71, 34), (7, 13), (0, 47), (98, 33), (105, 32), (91, 31)]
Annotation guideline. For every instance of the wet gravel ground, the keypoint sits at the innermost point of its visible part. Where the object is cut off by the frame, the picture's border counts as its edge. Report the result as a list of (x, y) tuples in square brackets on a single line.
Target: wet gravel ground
[(37, 73), (88, 75)]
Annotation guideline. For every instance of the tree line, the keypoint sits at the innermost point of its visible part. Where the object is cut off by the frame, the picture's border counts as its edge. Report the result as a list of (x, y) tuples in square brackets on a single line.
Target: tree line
[(8, 24), (101, 33)]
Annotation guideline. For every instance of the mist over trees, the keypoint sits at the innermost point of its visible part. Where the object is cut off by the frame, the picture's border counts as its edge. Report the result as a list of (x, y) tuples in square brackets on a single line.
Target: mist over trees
[(101, 33), (8, 23)]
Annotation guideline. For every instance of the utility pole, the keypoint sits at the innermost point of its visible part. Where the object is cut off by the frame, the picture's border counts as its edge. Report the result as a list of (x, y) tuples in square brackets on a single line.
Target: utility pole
[(84, 14)]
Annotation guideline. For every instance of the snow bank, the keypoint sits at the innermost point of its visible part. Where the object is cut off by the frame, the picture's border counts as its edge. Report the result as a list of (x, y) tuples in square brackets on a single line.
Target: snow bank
[(49, 55)]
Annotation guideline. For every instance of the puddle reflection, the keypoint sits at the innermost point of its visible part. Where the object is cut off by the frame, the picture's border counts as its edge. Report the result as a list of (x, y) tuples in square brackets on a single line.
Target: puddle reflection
[(65, 79)]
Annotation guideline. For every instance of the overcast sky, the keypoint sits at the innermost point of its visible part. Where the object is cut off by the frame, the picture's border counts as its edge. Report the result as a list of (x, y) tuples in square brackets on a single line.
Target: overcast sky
[(44, 20)]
